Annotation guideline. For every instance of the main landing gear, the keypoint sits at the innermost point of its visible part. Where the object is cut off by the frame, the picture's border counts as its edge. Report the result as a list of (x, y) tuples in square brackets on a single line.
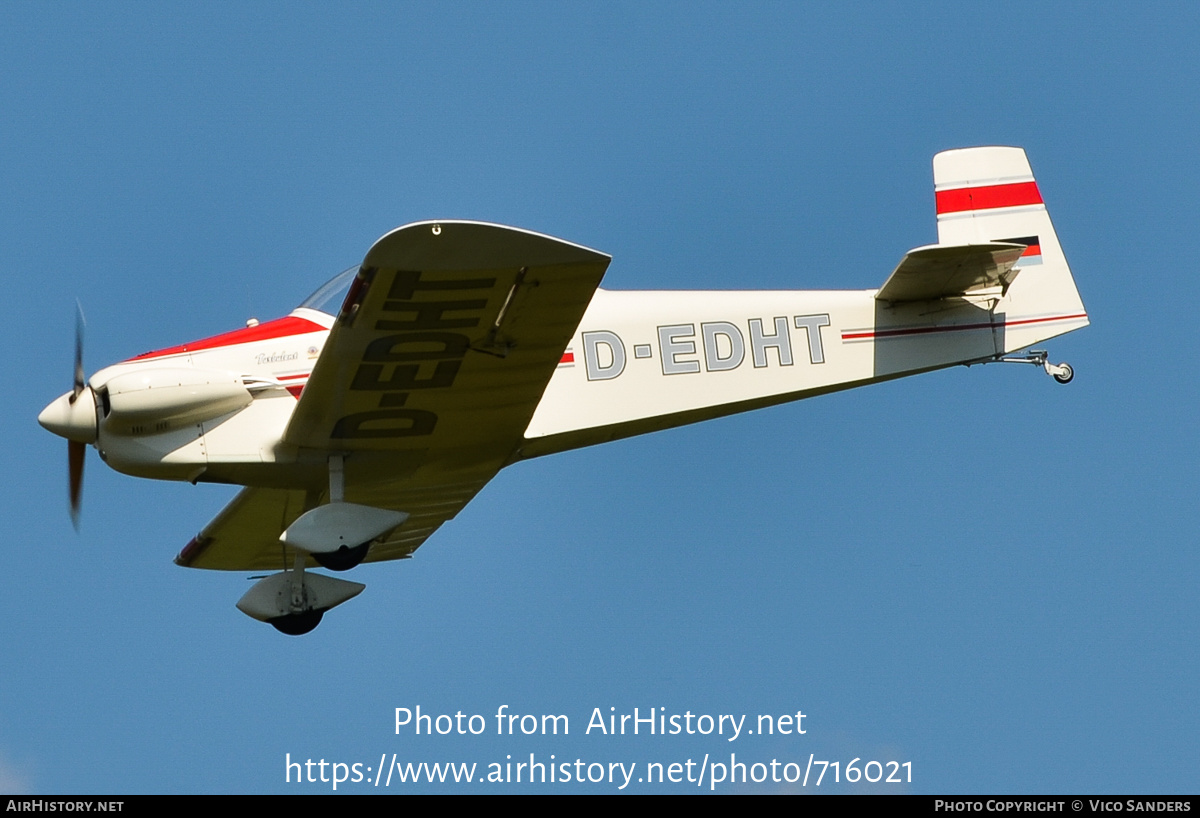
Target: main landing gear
[(294, 601), (338, 536), (1063, 373)]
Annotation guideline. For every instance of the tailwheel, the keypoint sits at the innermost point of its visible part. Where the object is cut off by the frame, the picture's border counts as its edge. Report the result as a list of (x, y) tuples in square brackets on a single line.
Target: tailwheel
[(1063, 373), (297, 624)]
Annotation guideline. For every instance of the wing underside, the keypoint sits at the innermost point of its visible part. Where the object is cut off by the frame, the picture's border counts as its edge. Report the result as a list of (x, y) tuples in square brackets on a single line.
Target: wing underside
[(245, 535), (431, 373)]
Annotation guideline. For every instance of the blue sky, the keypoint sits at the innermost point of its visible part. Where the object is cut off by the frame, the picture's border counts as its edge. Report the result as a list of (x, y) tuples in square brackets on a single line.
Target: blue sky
[(980, 572)]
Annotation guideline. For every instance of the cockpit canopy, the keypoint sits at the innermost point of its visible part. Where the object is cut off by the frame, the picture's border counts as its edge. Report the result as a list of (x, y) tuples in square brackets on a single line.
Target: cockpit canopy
[(329, 296)]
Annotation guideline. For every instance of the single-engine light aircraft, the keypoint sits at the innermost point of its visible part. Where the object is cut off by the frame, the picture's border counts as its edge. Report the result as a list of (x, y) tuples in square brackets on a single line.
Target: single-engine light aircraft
[(380, 406)]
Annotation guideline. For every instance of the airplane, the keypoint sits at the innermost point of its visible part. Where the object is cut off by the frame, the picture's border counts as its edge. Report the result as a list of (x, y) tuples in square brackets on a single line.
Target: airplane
[(371, 414)]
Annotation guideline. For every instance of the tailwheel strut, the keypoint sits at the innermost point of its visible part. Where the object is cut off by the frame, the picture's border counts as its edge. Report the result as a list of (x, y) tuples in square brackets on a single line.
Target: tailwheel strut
[(1061, 372)]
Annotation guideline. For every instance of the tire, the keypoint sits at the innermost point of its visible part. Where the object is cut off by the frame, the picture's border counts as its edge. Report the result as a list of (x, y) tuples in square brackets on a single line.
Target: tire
[(344, 558), (297, 624)]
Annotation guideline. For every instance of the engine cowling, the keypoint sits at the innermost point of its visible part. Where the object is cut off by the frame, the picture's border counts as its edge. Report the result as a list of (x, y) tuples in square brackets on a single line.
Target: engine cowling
[(152, 400)]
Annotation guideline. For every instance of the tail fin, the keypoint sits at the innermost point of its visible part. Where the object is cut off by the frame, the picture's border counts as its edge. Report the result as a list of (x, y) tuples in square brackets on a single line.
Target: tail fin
[(989, 195)]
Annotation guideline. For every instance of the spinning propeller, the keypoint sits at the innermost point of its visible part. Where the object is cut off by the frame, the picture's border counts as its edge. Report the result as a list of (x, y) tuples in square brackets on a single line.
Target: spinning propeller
[(73, 416)]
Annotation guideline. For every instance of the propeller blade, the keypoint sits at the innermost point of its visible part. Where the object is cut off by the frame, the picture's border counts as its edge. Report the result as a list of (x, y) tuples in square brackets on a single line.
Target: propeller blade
[(76, 451), (75, 456), (79, 377)]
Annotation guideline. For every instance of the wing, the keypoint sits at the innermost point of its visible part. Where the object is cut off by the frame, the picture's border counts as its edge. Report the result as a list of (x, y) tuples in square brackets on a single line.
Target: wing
[(940, 271), (446, 340), (245, 535), (426, 384)]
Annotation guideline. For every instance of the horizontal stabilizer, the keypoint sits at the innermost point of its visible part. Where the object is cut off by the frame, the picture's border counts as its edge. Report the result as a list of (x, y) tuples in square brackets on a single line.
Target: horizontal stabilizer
[(943, 271)]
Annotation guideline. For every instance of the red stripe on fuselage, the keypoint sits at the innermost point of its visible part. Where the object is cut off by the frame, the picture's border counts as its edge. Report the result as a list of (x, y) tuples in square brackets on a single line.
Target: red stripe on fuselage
[(270, 331), (859, 335), (983, 198)]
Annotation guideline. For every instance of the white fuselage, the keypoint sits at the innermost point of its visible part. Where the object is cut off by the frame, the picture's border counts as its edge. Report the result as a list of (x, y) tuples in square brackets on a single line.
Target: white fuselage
[(639, 361)]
